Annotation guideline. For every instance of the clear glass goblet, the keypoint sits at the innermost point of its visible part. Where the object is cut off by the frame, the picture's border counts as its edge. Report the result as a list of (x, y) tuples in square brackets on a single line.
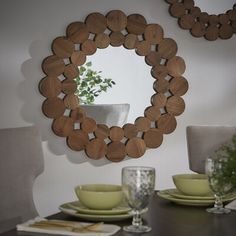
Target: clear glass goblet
[(138, 183), (219, 184)]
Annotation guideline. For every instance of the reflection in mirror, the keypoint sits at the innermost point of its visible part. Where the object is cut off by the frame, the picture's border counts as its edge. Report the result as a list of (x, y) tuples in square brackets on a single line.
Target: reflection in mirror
[(214, 7), (132, 76)]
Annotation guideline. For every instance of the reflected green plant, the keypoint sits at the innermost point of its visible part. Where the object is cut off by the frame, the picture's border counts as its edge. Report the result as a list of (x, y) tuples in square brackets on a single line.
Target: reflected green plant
[(225, 155), (90, 84)]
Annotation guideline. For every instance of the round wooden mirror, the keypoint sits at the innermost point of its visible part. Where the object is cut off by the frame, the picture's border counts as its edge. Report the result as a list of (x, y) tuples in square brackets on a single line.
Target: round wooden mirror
[(71, 51)]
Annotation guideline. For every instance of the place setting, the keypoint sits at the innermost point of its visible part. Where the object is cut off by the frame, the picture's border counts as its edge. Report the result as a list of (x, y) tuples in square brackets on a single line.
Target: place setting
[(212, 189), (111, 203)]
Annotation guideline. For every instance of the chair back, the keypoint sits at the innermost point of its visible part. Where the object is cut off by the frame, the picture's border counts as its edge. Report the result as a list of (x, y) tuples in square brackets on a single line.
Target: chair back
[(21, 161), (202, 141)]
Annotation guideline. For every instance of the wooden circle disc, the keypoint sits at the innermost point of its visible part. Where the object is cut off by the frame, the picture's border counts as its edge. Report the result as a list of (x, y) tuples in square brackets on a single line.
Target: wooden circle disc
[(77, 140), (130, 130), (53, 65), (153, 138), (96, 149), (152, 113), (176, 66), (226, 31), (62, 47), (153, 33), (167, 123), (178, 86), (88, 125), (136, 24), (116, 20), (69, 86), (167, 48), (224, 19), (77, 32), (186, 21), (159, 100), (116, 151), (131, 41), (78, 115), (212, 33), (96, 23), (213, 19), (53, 107), (142, 124), (177, 9), (188, 4), (195, 11), (135, 147), (102, 40), (116, 133), (232, 14), (203, 17), (71, 71), (198, 29), (159, 72), (117, 39), (78, 58), (153, 58), (143, 48), (102, 131), (89, 47), (161, 86), (63, 126), (175, 105), (71, 101), (50, 87)]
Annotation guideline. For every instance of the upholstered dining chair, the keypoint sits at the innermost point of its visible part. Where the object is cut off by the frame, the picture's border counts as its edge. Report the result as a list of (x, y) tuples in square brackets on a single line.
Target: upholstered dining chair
[(21, 161), (202, 141)]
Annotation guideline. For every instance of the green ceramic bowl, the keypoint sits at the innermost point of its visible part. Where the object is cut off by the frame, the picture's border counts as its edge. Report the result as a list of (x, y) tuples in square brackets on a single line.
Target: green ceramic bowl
[(192, 184), (99, 196)]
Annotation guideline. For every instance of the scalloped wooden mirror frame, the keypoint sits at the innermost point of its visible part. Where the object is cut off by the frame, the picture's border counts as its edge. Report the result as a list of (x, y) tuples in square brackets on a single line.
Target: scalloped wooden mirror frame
[(202, 24), (62, 105)]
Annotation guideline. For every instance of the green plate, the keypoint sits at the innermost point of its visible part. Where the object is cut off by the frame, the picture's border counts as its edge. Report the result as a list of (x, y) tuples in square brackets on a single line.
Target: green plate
[(79, 207), (165, 194), (178, 194), (65, 208)]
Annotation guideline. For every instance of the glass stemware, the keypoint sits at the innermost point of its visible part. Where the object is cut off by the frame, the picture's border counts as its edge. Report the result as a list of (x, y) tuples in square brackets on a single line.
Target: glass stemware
[(218, 182), (138, 183)]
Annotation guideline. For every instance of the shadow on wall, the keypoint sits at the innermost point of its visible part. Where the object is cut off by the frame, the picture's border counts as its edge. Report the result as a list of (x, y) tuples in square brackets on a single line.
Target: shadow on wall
[(32, 102)]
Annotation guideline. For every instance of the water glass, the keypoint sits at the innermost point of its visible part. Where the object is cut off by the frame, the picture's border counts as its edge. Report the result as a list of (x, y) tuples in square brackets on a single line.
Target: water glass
[(138, 183)]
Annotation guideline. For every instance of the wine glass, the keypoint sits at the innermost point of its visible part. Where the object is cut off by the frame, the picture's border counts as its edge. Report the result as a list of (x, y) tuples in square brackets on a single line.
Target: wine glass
[(138, 183), (219, 184)]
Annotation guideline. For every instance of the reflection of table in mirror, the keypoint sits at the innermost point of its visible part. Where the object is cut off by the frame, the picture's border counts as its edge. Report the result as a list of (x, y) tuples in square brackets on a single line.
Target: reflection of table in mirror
[(169, 219)]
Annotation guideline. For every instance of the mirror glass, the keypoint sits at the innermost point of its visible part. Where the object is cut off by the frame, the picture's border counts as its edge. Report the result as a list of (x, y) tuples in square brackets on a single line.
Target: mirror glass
[(134, 83), (214, 7)]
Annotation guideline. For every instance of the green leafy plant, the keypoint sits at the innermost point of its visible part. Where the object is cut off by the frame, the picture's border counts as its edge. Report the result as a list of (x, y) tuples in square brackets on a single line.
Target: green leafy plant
[(90, 84), (228, 152)]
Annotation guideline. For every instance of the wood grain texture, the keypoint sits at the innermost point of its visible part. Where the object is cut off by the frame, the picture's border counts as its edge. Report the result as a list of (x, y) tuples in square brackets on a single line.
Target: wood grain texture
[(136, 24), (116, 20), (96, 149), (135, 147), (153, 138), (147, 40), (96, 23), (116, 151)]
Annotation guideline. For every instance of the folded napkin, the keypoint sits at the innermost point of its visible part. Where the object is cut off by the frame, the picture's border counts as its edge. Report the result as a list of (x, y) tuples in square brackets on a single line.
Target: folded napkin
[(231, 205), (62, 227)]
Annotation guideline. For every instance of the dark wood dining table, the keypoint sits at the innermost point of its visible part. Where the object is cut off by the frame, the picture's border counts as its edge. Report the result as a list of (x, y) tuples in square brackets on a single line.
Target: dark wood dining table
[(168, 219)]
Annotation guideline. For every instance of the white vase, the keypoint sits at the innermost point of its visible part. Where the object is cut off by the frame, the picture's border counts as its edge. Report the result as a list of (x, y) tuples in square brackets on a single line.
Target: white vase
[(109, 114)]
